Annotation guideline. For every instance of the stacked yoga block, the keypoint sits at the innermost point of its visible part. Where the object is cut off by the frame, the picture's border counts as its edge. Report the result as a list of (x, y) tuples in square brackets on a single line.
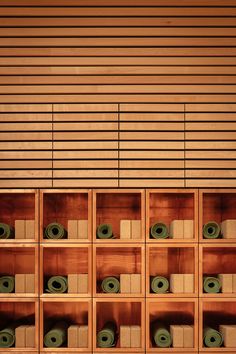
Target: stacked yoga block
[(77, 336), (77, 283), (182, 336), (130, 336), (130, 229), (24, 229), (130, 283), (25, 336), (24, 283), (77, 229)]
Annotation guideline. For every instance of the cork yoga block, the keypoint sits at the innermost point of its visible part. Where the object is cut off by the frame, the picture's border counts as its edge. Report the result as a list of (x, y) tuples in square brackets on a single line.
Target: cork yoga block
[(77, 283), (125, 337), (130, 229), (181, 283), (130, 283), (181, 229), (77, 229), (229, 335), (182, 336), (24, 283), (135, 229), (24, 229), (25, 336), (226, 283), (188, 283), (228, 228), (77, 336), (188, 229), (130, 336)]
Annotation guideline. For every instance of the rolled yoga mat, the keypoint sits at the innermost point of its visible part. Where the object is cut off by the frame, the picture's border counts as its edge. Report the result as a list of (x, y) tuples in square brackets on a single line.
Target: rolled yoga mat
[(212, 338), (106, 338), (57, 335), (104, 231), (110, 285), (7, 337), (57, 284), (159, 230), (211, 230), (159, 284), (55, 231), (211, 285), (7, 284), (6, 231), (161, 335)]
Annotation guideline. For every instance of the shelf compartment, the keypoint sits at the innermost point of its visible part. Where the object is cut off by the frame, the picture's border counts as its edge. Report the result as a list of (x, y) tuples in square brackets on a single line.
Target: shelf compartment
[(111, 206), (166, 205), (19, 259), (216, 205), (64, 260), (166, 259), (123, 312), (60, 206), (182, 311), (115, 260), (74, 311), (12, 310), (18, 205), (216, 259), (213, 312)]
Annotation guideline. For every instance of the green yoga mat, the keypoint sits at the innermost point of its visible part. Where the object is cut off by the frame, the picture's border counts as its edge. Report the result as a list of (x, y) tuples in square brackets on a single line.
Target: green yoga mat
[(7, 337), (110, 285), (7, 284), (6, 231), (106, 338), (159, 230), (104, 231), (211, 285), (55, 231), (211, 230), (212, 338), (57, 284), (57, 335), (161, 335), (159, 284)]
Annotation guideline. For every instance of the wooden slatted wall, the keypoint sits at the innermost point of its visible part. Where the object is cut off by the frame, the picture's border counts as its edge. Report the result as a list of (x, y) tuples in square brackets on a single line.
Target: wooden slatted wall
[(118, 93)]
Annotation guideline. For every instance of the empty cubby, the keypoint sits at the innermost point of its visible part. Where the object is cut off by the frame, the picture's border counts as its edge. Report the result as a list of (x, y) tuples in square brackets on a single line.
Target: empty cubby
[(19, 206), (61, 206), (217, 205), (114, 261), (110, 207), (166, 206), (171, 312), (73, 312), (65, 260)]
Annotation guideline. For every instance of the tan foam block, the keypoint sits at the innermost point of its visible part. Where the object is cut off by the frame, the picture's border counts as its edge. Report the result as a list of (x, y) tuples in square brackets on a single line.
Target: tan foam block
[(229, 334), (135, 336), (19, 283), (189, 283), (82, 283), (83, 336), (125, 283), (177, 334), (136, 229), (30, 337), (19, 229), (226, 283), (188, 336), (135, 283), (177, 283), (72, 283), (125, 229), (234, 282), (125, 337), (83, 229), (72, 228), (177, 229), (188, 229), (29, 283), (228, 228), (29, 229), (73, 336), (20, 335)]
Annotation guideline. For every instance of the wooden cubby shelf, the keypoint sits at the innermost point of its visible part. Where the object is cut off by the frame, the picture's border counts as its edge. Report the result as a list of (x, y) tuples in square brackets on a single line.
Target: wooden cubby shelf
[(112, 206), (60, 206), (168, 205)]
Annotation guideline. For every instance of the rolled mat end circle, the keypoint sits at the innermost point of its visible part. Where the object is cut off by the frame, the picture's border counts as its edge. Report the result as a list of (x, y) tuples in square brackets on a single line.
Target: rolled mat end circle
[(104, 231), (211, 285), (159, 284), (211, 230), (212, 338), (7, 284), (159, 230), (110, 285), (6, 231), (55, 231)]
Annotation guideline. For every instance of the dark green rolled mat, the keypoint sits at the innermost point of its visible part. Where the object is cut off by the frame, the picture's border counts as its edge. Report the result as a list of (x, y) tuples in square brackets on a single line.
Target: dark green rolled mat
[(57, 335), (7, 284), (7, 337), (106, 338), (104, 231), (161, 335), (159, 284), (211, 284), (159, 230), (6, 231), (212, 338), (57, 284), (55, 231), (211, 230), (110, 285)]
